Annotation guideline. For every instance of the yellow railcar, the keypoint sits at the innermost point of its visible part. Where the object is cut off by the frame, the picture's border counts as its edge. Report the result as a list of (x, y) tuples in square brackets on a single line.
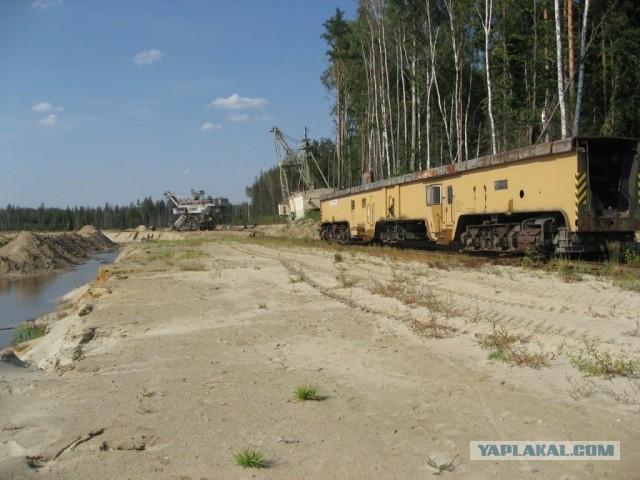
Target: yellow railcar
[(568, 196)]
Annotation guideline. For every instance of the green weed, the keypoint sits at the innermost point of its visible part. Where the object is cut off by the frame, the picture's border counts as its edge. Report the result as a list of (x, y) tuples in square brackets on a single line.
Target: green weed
[(592, 362), (193, 253), (442, 467), (631, 258), (306, 392), (250, 458), (520, 356), (569, 272), (431, 328), (500, 338), (532, 258), (28, 331), (511, 348), (409, 292)]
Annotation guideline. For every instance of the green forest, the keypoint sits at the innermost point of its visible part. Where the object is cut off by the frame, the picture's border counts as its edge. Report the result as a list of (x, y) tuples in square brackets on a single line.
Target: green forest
[(146, 212), (417, 84)]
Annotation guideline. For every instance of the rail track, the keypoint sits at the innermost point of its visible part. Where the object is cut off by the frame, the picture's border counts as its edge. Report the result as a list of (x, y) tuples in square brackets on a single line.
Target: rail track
[(448, 258)]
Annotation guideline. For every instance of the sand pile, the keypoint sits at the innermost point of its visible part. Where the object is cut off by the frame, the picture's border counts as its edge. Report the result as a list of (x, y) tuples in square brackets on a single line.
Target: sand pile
[(29, 253), (305, 228), (100, 242)]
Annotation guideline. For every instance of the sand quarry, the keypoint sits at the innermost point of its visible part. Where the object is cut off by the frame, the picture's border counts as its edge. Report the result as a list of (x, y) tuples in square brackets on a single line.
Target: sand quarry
[(188, 349)]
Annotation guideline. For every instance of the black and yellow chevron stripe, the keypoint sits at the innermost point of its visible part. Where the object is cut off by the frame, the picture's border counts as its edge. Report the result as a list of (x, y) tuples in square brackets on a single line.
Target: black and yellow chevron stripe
[(638, 191), (581, 190)]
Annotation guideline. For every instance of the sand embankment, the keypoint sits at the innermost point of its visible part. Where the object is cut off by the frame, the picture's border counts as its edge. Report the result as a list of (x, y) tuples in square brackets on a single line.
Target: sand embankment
[(305, 228), (31, 253), (184, 354)]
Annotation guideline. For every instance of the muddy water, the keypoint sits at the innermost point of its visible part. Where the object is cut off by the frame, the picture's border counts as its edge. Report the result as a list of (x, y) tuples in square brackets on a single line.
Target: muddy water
[(33, 296)]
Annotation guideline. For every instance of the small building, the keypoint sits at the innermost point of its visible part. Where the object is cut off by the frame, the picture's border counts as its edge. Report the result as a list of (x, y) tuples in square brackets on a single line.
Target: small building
[(302, 202)]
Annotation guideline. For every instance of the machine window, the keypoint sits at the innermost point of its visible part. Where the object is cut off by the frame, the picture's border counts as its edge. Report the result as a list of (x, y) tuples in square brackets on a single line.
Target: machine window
[(433, 195), (353, 204), (501, 184), (364, 203), (449, 195)]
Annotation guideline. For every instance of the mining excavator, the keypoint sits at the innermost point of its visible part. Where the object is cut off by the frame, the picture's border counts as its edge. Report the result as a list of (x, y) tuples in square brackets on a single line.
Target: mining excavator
[(198, 212)]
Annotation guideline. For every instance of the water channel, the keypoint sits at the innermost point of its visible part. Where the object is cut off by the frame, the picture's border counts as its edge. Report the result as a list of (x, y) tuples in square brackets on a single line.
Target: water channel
[(29, 297)]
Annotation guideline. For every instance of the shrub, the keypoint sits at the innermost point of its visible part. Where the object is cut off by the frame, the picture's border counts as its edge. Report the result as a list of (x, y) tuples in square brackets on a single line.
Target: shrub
[(592, 362), (250, 458), (306, 392), (28, 331)]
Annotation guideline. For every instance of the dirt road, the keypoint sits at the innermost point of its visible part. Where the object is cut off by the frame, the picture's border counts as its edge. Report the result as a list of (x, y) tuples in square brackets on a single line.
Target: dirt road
[(190, 352)]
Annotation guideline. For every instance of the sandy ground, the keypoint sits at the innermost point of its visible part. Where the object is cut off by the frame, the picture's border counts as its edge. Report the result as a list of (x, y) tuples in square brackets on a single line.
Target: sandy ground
[(183, 353)]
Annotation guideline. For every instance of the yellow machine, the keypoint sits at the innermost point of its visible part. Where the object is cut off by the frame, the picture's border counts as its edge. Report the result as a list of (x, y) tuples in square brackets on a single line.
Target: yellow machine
[(568, 196)]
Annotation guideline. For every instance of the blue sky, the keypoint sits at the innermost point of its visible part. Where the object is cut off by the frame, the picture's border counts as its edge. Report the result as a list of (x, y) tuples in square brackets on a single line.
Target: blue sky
[(113, 101)]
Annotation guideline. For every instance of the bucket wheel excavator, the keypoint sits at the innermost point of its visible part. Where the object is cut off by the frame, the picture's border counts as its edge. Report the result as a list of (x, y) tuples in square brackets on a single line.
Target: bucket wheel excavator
[(198, 212)]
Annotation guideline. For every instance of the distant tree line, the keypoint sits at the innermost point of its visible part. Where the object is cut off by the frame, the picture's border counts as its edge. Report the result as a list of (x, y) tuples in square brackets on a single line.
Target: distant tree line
[(110, 217)]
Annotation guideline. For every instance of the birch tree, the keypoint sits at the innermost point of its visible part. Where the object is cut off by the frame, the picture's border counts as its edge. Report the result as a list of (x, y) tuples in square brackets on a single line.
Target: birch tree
[(456, 44), (486, 20), (561, 102), (583, 38)]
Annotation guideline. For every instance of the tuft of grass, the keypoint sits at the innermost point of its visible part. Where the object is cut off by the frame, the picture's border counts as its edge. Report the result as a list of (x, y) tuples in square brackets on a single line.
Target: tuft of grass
[(627, 281), (337, 257), (494, 270), (306, 392), (511, 348), (432, 328), (501, 338), (250, 458), (28, 331), (631, 257), (592, 362), (498, 354), (442, 467), (262, 305), (569, 272), (193, 266), (345, 281), (299, 278), (520, 356), (532, 258), (409, 292), (625, 277), (193, 253)]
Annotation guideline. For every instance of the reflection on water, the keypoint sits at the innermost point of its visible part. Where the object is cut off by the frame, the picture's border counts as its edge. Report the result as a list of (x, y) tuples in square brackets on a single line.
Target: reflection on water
[(29, 286), (30, 297)]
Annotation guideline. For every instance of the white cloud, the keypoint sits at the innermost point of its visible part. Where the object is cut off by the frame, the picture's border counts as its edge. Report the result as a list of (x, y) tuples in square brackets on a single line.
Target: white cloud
[(263, 118), (238, 117), (235, 102), (46, 107), (42, 107), (211, 126), (49, 121), (186, 171), (148, 57), (46, 4)]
